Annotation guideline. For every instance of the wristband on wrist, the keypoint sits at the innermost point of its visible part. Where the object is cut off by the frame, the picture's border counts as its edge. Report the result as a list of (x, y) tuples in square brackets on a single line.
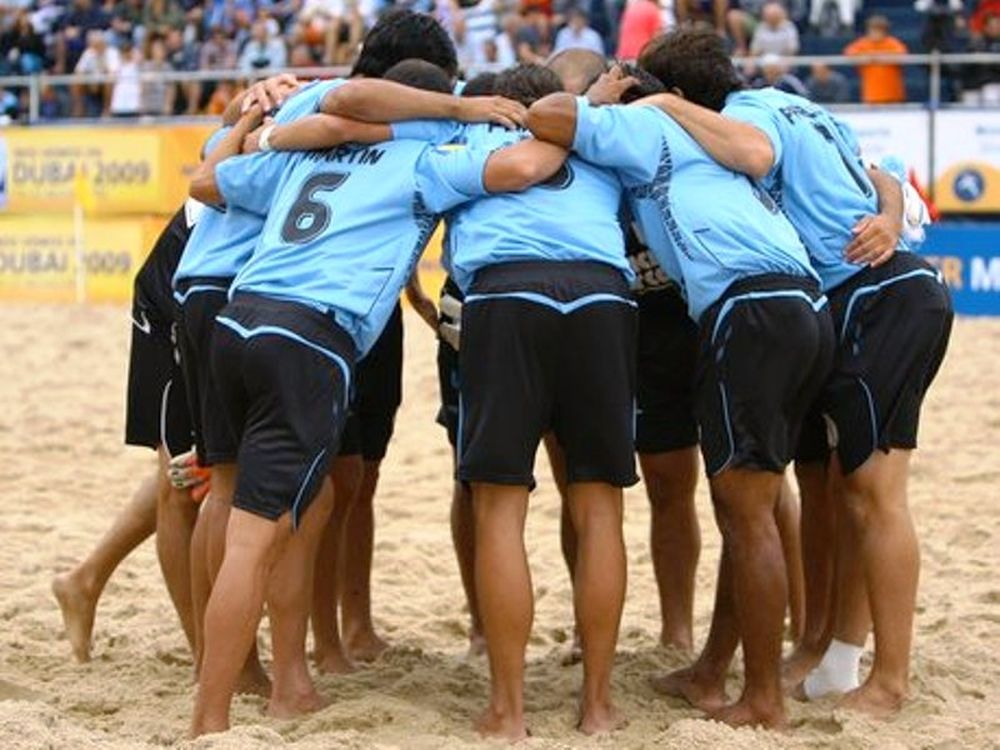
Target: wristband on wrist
[(265, 138)]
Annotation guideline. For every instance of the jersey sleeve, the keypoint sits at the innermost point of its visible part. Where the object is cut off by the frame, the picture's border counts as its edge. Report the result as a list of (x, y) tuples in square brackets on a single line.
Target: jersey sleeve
[(214, 140), (763, 117), (307, 100), (618, 137), (450, 176), (432, 131), (250, 182)]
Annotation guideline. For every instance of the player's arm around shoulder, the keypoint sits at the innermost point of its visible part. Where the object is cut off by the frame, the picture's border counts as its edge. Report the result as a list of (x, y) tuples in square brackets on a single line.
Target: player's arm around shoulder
[(522, 165), (740, 146), (314, 133), (204, 186)]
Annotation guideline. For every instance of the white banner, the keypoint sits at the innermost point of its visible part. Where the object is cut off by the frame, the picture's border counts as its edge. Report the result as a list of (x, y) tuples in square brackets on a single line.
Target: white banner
[(905, 134), (967, 160)]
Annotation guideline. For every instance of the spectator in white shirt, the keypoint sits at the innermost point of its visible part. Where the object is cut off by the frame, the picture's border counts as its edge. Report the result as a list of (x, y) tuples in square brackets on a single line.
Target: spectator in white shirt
[(126, 92), (577, 34), (775, 35), (263, 51), (99, 58)]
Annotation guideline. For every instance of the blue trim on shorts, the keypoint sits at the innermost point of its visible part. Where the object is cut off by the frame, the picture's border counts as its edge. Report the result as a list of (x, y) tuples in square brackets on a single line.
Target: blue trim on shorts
[(728, 305), (196, 288), (562, 307), (729, 431), (302, 488), (247, 333), (873, 417), (863, 290)]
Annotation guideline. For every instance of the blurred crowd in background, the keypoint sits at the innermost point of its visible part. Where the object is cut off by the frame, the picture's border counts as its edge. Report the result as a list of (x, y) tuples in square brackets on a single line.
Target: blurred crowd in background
[(129, 38)]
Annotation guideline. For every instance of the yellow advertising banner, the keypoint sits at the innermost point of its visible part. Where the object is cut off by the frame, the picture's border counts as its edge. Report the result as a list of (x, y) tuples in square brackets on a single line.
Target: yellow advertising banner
[(42, 259), (140, 169)]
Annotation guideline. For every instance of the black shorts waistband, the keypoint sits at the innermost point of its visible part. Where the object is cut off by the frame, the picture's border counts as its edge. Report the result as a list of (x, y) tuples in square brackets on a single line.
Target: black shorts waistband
[(185, 287), (772, 282), (253, 311), (562, 281)]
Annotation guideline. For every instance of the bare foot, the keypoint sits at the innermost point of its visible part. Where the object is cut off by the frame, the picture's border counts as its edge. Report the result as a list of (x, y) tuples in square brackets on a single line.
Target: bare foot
[(334, 661), (575, 653), (491, 724), (702, 693), (78, 607), (745, 714), (601, 718), (797, 667), (364, 647), (295, 705), (874, 699), (254, 680)]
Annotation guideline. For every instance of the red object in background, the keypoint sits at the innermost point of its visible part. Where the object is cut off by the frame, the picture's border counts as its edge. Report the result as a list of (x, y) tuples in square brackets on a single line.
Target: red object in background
[(925, 197), (978, 19)]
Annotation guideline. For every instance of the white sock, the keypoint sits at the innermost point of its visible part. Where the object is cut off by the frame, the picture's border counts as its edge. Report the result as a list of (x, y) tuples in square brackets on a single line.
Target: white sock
[(836, 673)]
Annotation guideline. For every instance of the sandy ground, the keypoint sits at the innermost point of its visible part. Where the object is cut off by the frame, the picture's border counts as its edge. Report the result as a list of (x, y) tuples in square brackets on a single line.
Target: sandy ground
[(64, 473)]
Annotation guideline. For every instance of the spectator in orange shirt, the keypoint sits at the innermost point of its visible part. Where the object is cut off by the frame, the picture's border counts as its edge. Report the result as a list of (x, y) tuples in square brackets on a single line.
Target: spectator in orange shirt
[(640, 22), (881, 83)]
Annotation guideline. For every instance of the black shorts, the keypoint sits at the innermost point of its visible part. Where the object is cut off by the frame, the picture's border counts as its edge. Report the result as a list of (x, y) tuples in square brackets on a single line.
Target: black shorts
[(157, 410), (766, 349), (200, 301), (447, 365), (378, 392), (668, 349), (892, 326), (283, 371), (548, 346)]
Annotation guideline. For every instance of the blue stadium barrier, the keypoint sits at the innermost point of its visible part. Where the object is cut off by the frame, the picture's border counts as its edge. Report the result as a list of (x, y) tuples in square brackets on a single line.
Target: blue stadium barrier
[(969, 258)]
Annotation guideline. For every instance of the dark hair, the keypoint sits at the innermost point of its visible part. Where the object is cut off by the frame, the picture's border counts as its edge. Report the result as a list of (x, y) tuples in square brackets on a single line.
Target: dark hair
[(696, 62), (419, 74), (483, 84), (527, 83), (400, 35), (647, 86), (577, 68)]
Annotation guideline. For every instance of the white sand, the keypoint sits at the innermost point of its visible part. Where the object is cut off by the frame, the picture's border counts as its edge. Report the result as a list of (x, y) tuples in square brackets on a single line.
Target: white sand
[(65, 473)]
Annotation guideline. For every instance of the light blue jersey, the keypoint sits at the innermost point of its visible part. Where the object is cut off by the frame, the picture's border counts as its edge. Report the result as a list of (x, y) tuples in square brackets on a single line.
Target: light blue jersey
[(346, 226), (573, 216), (818, 177), (707, 226), (224, 240)]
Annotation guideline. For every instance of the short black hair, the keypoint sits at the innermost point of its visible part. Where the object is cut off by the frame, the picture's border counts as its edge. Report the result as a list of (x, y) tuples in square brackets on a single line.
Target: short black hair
[(694, 61), (419, 74), (484, 84), (647, 86), (527, 83), (401, 35)]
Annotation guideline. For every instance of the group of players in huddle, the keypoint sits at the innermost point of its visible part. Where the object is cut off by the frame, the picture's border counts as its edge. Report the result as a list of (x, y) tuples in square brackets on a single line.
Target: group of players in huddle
[(645, 259)]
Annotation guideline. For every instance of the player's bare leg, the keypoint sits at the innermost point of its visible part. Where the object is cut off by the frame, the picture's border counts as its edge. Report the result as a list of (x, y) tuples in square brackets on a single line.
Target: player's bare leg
[(567, 532), (703, 684), (208, 546), (788, 517), (176, 514), (503, 586), (744, 502), (463, 537), (79, 590), (876, 501), (330, 654), (253, 546), (819, 533), (675, 539), (598, 595), (361, 640), (290, 590)]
